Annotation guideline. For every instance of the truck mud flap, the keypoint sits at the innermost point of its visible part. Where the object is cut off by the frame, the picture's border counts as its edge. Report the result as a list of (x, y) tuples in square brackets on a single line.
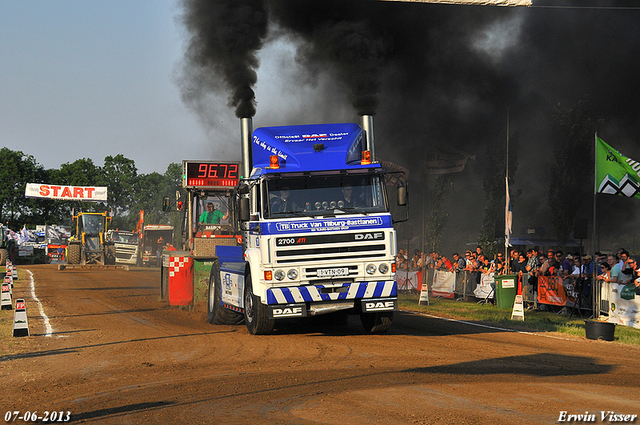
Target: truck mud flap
[(375, 305), (284, 311)]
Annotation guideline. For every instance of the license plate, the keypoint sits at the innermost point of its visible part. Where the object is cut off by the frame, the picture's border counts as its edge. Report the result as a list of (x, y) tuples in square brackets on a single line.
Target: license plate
[(342, 271)]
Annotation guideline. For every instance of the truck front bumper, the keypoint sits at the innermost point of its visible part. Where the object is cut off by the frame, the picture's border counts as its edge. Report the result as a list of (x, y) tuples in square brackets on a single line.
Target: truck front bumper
[(312, 300)]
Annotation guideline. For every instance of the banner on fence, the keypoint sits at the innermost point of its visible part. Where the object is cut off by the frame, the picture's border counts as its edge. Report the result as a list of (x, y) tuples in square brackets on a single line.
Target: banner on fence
[(623, 311), (444, 284), (485, 288), (551, 291), (408, 280)]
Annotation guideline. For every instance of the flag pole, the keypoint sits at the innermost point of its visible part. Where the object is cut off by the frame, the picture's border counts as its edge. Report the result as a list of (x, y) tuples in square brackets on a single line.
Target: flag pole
[(507, 266), (594, 286)]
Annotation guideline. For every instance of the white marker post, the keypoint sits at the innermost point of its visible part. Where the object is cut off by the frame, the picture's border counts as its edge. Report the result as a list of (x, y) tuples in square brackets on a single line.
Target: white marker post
[(5, 302), (20, 322)]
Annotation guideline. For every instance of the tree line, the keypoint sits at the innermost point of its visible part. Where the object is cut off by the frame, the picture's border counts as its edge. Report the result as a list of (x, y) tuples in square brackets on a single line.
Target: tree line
[(128, 191)]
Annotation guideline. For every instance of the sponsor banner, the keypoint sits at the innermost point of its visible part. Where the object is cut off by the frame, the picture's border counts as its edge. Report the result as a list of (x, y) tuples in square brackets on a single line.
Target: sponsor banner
[(326, 225), (69, 193), (552, 291), (444, 284), (623, 311), (408, 280), (485, 288)]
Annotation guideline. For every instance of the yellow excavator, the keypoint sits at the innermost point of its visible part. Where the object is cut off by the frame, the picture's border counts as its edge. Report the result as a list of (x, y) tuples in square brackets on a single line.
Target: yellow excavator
[(88, 245)]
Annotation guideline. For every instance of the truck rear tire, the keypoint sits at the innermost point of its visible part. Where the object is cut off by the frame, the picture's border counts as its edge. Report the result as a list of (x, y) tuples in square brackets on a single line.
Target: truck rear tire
[(256, 316), (376, 323), (4, 255), (216, 313), (73, 253)]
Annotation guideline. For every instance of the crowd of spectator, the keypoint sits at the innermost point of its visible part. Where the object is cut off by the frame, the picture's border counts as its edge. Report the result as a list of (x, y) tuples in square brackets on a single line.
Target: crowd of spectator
[(619, 268)]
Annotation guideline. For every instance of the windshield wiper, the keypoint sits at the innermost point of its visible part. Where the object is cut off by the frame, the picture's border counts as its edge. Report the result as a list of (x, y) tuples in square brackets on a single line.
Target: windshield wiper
[(350, 210)]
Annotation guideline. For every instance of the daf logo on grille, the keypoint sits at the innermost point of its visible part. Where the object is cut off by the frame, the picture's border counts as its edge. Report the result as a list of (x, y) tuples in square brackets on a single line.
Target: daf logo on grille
[(369, 236)]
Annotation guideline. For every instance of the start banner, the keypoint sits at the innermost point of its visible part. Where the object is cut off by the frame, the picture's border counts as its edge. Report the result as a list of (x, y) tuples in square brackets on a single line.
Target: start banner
[(68, 193)]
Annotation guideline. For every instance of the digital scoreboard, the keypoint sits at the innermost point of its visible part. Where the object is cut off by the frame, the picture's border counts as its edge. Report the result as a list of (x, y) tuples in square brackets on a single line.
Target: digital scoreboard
[(210, 174)]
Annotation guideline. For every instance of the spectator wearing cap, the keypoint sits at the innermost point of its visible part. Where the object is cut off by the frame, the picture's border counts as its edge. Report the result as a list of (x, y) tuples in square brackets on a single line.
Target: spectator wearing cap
[(587, 266)]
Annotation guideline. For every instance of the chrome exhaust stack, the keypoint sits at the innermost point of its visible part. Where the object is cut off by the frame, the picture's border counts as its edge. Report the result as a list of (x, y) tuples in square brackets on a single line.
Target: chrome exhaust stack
[(367, 127), (246, 129)]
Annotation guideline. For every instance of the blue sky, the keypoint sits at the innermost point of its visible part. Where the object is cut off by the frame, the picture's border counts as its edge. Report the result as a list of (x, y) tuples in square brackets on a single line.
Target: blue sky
[(91, 78), (87, 79)]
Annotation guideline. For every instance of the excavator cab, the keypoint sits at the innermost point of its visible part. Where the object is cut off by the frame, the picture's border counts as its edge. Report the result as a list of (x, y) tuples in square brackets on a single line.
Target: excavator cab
[(89, 245)]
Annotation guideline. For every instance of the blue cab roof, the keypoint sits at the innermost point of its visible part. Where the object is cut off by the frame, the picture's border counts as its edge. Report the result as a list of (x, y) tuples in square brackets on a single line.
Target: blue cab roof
[(315, 147)]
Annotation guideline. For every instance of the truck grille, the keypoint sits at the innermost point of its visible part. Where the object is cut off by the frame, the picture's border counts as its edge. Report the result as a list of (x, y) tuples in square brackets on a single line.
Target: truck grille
[(340, 248), (329, 253), (124, 251)]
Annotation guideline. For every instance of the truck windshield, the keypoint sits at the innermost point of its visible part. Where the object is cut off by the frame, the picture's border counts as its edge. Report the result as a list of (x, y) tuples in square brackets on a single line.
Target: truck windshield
[(340, 194), (125, 238)]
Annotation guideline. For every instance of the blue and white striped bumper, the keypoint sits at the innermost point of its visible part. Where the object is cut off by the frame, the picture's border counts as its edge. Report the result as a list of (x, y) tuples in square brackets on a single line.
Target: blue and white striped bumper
[(320, 293)]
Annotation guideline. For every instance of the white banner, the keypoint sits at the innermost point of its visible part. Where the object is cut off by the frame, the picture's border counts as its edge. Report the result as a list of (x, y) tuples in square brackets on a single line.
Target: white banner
[(485, 287), (444, 284), (67, 193), (621, 311), (407, 279)]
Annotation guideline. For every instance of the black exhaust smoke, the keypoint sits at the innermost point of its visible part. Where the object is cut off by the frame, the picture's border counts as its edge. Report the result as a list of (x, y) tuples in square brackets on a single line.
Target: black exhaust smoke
[(224, 37)]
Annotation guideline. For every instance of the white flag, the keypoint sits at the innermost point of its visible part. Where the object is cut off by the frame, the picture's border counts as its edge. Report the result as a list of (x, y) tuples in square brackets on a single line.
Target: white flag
[(508, 217)]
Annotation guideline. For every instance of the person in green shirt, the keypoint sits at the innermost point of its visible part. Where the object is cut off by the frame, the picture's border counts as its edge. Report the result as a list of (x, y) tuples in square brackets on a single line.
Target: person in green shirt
[(212, 216)]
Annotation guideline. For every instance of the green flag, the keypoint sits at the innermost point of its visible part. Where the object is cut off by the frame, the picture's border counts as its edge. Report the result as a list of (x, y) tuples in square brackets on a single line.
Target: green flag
[(616, 174)]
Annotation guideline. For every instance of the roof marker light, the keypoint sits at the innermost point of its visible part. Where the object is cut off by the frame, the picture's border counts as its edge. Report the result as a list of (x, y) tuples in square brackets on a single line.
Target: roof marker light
[(274, 161), (366, 158)]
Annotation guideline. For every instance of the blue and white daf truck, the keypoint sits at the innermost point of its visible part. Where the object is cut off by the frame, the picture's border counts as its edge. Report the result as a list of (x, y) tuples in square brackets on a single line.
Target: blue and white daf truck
[(314, 230)]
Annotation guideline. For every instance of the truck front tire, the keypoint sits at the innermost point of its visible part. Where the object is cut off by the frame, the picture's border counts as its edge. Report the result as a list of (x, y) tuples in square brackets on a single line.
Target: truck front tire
[(256, 316), (376, 323)]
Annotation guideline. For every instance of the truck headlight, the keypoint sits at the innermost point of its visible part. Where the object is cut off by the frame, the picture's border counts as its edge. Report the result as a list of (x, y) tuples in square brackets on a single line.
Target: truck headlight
[(279, 275), (383, 268), (292, 274), (371, 268)]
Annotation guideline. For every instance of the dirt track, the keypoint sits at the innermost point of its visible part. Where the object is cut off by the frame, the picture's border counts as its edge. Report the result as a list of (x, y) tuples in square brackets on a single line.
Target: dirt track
[(118, 354)]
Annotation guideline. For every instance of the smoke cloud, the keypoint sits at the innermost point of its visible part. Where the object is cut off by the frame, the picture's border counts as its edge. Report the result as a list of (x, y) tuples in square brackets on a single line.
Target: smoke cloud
[(447, 76), (224, 37)]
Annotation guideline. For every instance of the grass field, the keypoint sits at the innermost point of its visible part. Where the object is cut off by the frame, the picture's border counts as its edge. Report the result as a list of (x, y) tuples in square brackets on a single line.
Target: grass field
[(534, 321)]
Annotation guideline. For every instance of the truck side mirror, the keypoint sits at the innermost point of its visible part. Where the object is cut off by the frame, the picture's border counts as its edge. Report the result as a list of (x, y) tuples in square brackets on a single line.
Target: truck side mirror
[(402, 196), (165, 204), (245, 209), (243, 189)]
